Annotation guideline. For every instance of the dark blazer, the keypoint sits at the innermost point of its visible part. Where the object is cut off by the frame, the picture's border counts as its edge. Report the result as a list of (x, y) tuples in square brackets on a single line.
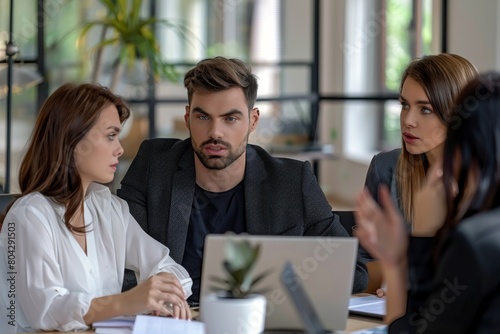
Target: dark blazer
[(455, 289), (282, 196), (382, 171)]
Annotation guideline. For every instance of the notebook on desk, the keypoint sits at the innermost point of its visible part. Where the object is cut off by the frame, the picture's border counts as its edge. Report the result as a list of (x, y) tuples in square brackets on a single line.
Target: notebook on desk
[(324, 264), (369, 306)]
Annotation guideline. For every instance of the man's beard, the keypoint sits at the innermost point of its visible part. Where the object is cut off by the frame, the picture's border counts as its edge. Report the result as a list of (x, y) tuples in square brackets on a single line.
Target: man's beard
[(216, 162)]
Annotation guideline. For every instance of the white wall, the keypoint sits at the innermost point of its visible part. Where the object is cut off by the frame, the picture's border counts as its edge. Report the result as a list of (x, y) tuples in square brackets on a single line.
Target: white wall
[(474, 32), (354, 124)]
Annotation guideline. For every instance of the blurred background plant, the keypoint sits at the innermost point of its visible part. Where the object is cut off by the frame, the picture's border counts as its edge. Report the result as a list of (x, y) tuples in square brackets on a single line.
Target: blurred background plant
[(134, 39)]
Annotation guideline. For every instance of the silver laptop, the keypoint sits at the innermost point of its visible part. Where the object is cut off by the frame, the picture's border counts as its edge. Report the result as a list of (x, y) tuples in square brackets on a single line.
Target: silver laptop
[(324, 264)]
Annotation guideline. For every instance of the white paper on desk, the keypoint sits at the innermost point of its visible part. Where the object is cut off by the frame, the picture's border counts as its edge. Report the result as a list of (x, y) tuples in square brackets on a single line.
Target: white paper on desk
[(367, 305), (382, 329), (121, 321), (116, 325), (147, 324), (113, 330)]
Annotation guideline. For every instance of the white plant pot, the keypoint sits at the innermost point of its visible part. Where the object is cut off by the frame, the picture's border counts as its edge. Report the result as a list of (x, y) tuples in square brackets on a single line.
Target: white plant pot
[(223, 315)]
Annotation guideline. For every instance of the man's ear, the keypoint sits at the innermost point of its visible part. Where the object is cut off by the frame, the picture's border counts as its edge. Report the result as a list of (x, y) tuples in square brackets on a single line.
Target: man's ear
[(254, 118), (186, 116)]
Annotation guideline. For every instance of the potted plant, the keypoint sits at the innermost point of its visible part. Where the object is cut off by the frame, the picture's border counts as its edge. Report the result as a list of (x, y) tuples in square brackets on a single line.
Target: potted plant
[(133, 36), (236, 306)]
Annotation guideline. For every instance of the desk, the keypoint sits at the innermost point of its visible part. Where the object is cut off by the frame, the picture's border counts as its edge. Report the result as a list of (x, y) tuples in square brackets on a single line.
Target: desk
[(354, 323)]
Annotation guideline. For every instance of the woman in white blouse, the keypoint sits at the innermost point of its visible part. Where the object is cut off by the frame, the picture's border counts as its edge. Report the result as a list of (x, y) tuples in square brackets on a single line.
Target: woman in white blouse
[(67, 240)]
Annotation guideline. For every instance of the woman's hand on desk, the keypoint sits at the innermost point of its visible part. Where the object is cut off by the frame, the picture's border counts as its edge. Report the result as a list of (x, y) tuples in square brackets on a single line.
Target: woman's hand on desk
[(161, 294)]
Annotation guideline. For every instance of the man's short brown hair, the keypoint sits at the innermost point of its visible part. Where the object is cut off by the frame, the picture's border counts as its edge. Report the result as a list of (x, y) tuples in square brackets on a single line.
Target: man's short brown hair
[(218, 74)]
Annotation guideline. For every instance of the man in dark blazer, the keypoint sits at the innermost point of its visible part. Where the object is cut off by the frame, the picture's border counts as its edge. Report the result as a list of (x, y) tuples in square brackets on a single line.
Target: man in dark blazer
[(214, 181)]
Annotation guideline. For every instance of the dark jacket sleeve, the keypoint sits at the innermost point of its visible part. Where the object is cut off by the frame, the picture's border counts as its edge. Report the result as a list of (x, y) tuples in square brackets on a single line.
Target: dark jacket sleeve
[(446, 299), (134, 190), (381, 171), (134, 186), (318, 216), (360, 282), (373, 181), (320, 220)]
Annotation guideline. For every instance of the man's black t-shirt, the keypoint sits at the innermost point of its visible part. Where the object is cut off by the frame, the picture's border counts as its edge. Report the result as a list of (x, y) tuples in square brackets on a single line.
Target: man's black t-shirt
[(213, 213)]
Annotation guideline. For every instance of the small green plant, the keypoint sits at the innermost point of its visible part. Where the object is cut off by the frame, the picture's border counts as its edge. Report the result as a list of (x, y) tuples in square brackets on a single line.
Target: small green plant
[(240, 259)]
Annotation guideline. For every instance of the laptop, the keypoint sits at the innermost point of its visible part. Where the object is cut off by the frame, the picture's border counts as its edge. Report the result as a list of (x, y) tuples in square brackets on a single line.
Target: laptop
[(301, 301), (325, 266)]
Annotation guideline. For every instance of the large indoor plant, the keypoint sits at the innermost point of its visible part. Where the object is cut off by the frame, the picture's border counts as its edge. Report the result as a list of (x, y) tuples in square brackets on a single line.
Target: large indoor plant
[(133, 37), (236, 306), (131, 45)]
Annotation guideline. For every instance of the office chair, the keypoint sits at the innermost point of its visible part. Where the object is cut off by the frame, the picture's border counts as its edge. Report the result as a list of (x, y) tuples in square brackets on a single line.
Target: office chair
[(347, 220), (5, 200)]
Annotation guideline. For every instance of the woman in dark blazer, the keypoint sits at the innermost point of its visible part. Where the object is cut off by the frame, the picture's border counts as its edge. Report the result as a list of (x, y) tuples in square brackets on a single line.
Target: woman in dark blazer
[(429, 87), (450, 261)]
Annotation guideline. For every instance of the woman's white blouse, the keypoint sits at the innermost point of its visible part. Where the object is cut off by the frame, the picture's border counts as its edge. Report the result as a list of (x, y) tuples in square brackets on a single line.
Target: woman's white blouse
[(55, 281)]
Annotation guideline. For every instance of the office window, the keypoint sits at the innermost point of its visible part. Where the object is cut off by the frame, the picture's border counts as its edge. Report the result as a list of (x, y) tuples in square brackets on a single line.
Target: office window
[(408, 35), (257, 31), (23, 110), (65, 59), (381, 38)]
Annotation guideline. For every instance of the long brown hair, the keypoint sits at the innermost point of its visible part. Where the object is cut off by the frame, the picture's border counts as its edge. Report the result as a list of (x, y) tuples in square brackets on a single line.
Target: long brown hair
[(49, 165), (473, 142), (442, 77)]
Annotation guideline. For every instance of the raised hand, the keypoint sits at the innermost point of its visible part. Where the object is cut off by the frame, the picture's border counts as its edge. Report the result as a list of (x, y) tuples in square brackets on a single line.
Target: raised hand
[(381, 230), (429, 206)]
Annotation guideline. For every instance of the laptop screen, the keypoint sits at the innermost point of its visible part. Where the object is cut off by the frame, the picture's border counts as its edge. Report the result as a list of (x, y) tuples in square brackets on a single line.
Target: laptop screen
[(301, 301), (325, 266)]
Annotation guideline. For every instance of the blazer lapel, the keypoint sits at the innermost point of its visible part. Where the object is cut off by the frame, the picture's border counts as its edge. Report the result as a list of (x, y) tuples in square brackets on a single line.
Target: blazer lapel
[(183, 183), (255, 174)]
